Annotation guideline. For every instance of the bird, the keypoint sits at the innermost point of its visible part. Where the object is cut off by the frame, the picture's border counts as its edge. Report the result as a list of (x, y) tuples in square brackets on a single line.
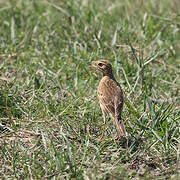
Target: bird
[(110, 97)]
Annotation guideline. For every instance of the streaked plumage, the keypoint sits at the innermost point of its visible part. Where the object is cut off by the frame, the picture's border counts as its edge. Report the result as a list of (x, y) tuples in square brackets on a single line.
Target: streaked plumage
[(110, 96)]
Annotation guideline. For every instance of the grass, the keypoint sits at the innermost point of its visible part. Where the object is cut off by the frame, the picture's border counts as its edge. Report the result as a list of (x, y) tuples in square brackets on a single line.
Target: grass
[(48, 95)]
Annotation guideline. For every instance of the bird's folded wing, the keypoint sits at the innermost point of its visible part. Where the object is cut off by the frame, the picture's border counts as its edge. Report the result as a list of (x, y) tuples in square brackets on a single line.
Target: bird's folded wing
[(110, 94)]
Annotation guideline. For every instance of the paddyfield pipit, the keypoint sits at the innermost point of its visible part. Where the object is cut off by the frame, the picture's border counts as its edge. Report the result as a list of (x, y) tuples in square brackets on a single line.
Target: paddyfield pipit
[(110, 97)]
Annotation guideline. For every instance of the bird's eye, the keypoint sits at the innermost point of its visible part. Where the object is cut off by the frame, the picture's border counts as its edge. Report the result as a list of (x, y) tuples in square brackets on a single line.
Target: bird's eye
[(100, 64)]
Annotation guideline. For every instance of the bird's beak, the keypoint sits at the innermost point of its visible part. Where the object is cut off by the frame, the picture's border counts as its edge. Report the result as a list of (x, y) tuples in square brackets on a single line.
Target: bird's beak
[(94, 64)]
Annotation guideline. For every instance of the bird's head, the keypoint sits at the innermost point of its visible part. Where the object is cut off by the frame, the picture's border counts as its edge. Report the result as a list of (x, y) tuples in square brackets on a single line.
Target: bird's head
[(103, 66)]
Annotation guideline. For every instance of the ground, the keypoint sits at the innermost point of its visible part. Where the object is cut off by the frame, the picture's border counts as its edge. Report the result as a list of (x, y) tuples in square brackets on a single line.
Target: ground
[(48, 98)]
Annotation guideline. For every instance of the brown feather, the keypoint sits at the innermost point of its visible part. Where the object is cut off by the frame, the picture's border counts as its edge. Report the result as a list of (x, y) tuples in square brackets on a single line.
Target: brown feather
[(110, 95)]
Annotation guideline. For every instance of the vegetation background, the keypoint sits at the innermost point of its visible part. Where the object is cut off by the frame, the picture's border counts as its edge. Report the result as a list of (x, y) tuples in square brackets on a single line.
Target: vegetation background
[(48, 103)]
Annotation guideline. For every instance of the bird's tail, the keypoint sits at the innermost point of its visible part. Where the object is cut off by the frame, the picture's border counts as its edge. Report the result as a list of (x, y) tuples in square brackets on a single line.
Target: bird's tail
[(121, 130)]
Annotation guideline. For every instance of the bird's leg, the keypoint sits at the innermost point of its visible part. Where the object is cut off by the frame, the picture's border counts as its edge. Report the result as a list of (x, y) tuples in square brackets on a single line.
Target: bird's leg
[(104, 127)]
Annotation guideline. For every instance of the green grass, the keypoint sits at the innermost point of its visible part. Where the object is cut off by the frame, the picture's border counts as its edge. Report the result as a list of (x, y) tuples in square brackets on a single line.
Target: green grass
[(48, 90)]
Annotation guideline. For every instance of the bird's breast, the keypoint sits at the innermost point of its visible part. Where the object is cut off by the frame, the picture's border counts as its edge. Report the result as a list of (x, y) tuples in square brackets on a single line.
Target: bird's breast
[(105, 90)]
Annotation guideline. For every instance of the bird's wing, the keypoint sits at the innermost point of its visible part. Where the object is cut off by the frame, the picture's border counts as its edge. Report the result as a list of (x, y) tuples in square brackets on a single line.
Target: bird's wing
[(118, 103), (110, 96), (106, 104)]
